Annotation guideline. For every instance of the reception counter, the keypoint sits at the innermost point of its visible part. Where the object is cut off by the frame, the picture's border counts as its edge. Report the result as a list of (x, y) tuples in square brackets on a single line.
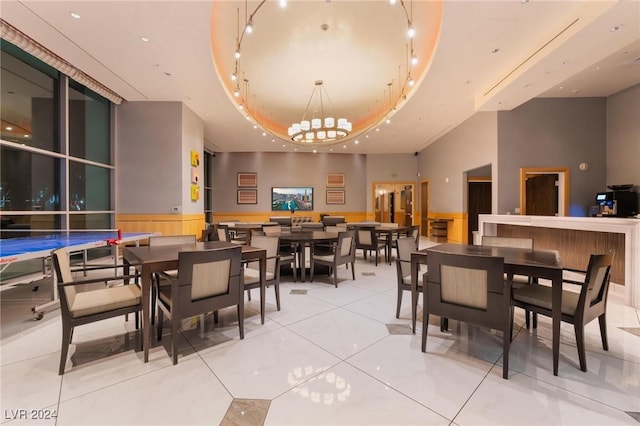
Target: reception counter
[(576, 238)]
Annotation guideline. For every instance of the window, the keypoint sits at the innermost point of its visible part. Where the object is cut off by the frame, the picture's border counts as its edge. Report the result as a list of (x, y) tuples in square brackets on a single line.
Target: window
[(89, 187), (29, 100), (89, 125), (29, 181)]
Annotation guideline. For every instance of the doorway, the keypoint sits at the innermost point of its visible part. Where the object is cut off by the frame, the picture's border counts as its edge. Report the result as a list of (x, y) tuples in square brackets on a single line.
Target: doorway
[(544, 191), (393, 202), (424, 208), (479, 202)]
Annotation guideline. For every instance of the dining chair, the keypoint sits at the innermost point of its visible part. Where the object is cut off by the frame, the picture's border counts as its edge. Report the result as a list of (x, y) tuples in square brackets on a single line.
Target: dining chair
[(166, 240), (518, 280), (251, 273), (207, 280), (84, 307), (578, 308), (288, 251), (405, 246), (342, 252), (367, 240), (209, 234), (225, 234), (468, 288)]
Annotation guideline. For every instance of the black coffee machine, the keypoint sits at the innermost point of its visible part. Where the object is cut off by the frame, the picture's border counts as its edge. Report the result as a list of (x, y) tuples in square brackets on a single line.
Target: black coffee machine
[(620, 201)]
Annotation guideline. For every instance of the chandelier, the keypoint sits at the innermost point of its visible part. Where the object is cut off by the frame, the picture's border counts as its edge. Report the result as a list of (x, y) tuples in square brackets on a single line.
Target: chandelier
[(319, 129)]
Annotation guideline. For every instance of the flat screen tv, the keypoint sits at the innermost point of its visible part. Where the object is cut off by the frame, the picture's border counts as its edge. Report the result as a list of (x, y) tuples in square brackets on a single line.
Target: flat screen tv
[(292, 198)]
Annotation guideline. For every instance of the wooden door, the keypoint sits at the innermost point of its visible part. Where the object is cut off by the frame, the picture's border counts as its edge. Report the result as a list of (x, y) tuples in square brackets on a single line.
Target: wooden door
[(479, 202), (408, 205), (424, 209), (542, 195)]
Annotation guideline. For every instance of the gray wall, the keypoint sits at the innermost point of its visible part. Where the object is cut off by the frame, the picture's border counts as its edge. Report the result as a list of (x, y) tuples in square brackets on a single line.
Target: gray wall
[(288, 169), (623, 138), (389, 168), (553, 132), (192, 139), (471, 145), (148, 146)]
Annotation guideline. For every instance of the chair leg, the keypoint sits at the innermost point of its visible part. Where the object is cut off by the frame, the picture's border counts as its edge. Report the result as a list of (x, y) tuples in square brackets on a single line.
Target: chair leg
[(425, 327), (249, 294), (579, 330), (399, 299), (159, 325), (444, 324), (174, 338), (353, 271), (240, 319), (602, 319), (311, 268), (335, 276), (276, 286), (66, 340), (535, 320), (527, 321)]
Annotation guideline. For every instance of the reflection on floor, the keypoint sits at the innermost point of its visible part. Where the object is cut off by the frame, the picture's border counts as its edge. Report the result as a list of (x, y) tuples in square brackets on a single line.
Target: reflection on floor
[(330, 356)]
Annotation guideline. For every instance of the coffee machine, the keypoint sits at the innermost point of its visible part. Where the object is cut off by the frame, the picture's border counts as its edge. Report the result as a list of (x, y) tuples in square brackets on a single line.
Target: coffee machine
[(621, 201)]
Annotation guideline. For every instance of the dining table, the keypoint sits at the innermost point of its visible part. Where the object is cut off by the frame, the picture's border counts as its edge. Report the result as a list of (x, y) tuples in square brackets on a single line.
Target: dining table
[(152, 259), (385, 231), (306, 239), (541, 264)]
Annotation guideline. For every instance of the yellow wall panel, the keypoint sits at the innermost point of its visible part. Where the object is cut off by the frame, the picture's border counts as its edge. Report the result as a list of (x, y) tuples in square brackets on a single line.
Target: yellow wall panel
[(165, 224), (264, 216)]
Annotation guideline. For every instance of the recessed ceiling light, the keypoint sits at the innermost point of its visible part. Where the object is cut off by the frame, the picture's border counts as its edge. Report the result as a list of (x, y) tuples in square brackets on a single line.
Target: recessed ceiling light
[(264, 133), (616, 28), (528, 85), (74, 15), (314, 150), (145, 39), (561, 87), (496, 50), (26, 136), (8, 128), (284, 146), (357, 142), (344, 146), (575, 91)]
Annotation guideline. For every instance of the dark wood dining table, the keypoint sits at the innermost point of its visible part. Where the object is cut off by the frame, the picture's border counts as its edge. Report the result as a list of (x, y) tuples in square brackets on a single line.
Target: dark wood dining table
[(152, 259), (544, 264), (306, 239)]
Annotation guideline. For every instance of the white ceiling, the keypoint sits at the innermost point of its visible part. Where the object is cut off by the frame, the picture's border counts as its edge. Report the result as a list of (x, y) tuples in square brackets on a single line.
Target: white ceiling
[(544, 48)]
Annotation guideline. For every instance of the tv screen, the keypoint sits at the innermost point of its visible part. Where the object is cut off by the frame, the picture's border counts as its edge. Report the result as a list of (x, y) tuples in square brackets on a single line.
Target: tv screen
[(292, 198)]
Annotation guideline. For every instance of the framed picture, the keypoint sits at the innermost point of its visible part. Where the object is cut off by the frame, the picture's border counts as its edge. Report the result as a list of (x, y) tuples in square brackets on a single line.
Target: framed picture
[(335, 196), (335, 180), (247, 179), (247, 196)]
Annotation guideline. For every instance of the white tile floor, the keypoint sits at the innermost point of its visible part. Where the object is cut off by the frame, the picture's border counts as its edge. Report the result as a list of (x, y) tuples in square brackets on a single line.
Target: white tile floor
[(326, 358)]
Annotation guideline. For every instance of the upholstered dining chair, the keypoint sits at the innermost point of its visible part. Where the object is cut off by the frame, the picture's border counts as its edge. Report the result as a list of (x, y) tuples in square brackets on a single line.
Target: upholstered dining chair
[(518, 280), (367, 240), (470, 289), (207, 280), (405, 246), (165, 240), (288, 251), (578, 308), (209, 234), (341, 253), (251, 274), (84, 307)]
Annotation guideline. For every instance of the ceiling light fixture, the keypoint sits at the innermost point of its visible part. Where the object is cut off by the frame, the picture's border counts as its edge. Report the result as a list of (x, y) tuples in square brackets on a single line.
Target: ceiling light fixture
[(316, 127), (74, 15)]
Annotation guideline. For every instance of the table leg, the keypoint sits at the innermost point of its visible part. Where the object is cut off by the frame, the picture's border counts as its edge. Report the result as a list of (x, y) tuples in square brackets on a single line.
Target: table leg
[(263, 285), (556, 307), (414, 293), (145, 283), (303, 262)]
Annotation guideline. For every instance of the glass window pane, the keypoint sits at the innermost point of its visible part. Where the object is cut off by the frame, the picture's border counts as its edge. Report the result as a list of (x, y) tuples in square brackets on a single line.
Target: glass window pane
[(29, 181), (29, 100), (17, 226), (90, 221), (89, 187), (89, 117)]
